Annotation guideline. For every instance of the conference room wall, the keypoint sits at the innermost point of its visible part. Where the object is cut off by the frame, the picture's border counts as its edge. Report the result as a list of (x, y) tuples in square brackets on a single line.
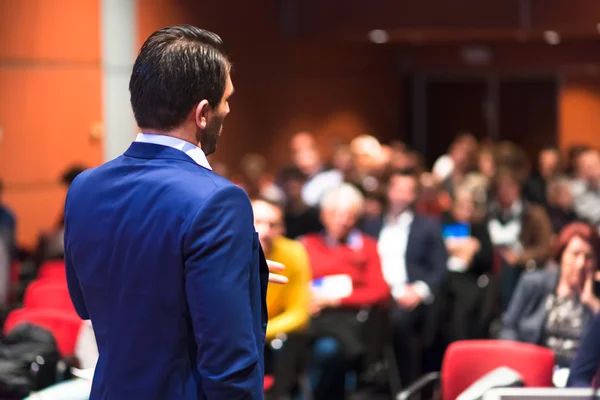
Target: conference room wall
[(50, 103)]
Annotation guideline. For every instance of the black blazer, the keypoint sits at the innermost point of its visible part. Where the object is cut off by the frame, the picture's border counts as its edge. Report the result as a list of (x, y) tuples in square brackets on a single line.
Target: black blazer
[(426, 254), (483, 260)]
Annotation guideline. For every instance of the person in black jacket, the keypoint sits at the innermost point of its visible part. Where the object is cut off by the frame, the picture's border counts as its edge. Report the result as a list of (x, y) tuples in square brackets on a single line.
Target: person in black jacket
[(470, 261)]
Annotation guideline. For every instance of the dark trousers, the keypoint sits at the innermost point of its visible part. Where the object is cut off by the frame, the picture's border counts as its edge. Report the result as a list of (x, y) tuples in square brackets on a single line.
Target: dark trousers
[(405, 325), (343, 340), (509, 278), (286, 364), (464, 300)]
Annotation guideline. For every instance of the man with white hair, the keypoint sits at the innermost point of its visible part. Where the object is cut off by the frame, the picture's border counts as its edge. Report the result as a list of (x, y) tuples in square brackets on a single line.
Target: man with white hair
[(347, 280)]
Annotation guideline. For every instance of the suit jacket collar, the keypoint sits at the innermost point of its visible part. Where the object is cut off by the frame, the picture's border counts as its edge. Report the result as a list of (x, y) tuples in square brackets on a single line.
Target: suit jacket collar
[(151, 151)]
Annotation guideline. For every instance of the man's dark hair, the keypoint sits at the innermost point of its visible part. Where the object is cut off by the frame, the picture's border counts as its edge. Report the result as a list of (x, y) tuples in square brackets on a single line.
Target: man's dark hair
[(69, 175), (177, 67), (273, 202), (403, 172), (292, 174)]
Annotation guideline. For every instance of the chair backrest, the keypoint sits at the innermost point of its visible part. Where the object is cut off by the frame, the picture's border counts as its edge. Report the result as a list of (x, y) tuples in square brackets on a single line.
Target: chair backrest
[(48, 294), (467, 361), (53, 269), (64, 326)]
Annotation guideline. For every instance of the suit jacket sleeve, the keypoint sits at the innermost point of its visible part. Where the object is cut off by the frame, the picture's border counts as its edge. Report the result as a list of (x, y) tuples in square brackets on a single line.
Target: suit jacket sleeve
[(437, 256), (518, 302), (484, 258), (587, 360), (72, 281), (219, 256)]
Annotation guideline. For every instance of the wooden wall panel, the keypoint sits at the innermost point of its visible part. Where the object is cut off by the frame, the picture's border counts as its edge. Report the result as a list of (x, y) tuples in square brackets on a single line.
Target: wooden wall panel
[(50, 100), (49, 30)]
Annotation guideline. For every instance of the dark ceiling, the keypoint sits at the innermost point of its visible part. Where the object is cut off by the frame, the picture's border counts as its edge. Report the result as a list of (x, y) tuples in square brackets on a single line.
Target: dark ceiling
[(442, 21)]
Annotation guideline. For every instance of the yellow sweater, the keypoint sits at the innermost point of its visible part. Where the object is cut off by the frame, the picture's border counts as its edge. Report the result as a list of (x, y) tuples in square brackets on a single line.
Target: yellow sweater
[(288, 304)]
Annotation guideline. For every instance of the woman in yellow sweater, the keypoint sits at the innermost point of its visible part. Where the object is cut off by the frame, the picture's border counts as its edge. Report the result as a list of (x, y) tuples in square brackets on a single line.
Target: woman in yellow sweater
[(288, 305)]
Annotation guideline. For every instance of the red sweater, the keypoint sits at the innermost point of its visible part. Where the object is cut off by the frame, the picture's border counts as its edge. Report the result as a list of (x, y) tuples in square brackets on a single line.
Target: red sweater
[(362, 265)]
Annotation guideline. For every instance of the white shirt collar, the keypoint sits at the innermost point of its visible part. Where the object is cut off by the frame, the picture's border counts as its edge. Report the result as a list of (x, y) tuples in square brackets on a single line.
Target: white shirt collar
[(405, 218), (194, 152)]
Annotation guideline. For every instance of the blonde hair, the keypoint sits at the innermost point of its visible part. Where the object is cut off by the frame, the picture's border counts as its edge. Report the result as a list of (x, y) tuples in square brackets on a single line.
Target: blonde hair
[(341, 196)]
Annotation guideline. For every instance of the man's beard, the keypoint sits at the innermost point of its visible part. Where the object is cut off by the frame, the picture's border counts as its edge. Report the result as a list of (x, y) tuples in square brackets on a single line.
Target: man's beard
[(209, 138)]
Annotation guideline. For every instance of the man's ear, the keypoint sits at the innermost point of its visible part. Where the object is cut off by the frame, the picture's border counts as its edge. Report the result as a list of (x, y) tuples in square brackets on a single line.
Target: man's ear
[(202, 111)]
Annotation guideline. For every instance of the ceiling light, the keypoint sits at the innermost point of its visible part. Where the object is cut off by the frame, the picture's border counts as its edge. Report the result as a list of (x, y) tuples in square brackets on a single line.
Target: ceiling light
[(552, 37), (378, 36)]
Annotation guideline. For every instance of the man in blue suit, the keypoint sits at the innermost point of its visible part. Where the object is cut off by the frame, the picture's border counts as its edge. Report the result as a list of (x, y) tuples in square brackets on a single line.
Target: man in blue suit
[(161, 252)]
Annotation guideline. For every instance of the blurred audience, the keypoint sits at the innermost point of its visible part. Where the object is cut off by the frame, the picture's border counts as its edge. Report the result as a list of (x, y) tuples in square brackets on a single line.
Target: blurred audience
[(287, 305), (306, 156), (520, 232), (470, 261), (586, 188), (347, 282), (300, 218), (559, 200), (413, 260), (393, 255), (553, 306)]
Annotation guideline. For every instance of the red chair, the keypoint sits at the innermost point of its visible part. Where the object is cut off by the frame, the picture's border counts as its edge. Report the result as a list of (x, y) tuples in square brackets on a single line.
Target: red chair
[(64, 326), (48, 294), (467, 361), (54, 269), (269, 381)]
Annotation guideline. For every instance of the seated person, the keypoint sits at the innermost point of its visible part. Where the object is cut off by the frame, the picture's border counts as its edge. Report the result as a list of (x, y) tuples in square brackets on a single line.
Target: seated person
[(521, 232), (413, 259), (553, 306), (470, 260), (287, 305), (347, 282)]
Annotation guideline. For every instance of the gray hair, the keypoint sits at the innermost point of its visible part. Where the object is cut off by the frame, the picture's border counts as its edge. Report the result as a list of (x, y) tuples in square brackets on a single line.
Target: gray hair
[(343, 195)]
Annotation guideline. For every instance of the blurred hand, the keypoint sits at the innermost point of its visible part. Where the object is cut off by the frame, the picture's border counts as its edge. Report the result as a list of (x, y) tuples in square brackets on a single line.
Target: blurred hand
[(318, 303), (463, 248), (588, 297), (410, 300), (510, 257), (276, 267)]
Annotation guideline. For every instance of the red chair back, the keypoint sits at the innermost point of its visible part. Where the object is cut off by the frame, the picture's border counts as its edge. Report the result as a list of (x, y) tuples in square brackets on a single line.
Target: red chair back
[(48, 294), (64, 326), (53, 269), (467, 361)]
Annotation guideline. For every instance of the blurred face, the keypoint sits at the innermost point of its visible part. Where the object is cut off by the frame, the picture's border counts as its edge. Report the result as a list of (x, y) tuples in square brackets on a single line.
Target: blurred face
[(268, 223), (463, 207), (340, 220), (460, 156), (209, 121), (564, 197), (342, 160), (293, 189), (549, 161), (507, 193), (487, 166), (578, 260), (402, 193), (590, 166)]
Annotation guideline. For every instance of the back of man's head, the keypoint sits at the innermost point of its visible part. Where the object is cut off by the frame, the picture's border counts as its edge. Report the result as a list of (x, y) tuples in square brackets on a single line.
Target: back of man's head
[(177, 67)]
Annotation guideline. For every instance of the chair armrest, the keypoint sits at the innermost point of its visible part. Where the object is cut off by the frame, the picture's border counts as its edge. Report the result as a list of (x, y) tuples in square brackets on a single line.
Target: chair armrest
[(420, 384)]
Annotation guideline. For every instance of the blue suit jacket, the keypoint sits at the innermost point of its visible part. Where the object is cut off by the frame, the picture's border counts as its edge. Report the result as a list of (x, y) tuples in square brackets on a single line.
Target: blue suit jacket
[(162, 255)]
